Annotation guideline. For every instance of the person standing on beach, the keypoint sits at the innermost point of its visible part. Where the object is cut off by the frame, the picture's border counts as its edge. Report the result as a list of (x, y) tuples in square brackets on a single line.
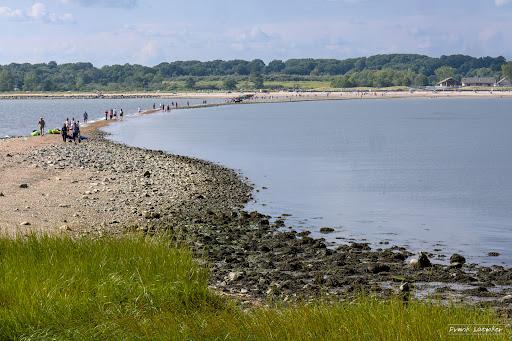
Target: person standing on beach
[(76, 132), (86, 117), (121, 114), (64, 132), (106, 115), (41, 124)]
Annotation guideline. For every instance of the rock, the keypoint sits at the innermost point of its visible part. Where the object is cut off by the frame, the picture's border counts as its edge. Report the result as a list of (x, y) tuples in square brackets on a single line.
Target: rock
[(405, 287), (378, 268), (65, 228), (147, 174), (24, 186), (234, 276), (456, 258), (423, 261), (506, 299), (279, 223), (493, 254), (326, 230), (25, 223), (361, 246), (2, 195), (64, 206), (244, 291)]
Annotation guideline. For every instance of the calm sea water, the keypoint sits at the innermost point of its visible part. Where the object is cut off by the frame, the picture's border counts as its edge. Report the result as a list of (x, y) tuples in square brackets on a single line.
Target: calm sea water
[(427, 174), (20, 117)]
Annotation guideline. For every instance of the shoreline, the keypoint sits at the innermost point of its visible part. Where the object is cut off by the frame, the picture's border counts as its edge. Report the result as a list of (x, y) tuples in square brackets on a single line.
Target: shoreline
[(117, 188), (272, 96)]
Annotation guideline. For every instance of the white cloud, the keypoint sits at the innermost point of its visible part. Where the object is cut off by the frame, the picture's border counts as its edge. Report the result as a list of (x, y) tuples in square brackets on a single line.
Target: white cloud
[(103, 3), (37, 12), (500, 3), (10, 13)]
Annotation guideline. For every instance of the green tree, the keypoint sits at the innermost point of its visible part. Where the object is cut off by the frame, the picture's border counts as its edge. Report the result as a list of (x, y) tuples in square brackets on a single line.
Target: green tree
[(420, 80), (30, 81), (230, 84), (506, 70), (342, 82), (6, 80), (257, 81), (444, 72), (190, 83)]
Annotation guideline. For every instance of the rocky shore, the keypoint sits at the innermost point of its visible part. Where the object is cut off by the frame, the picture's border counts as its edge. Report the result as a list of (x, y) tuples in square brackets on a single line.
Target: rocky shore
[(100, 187)]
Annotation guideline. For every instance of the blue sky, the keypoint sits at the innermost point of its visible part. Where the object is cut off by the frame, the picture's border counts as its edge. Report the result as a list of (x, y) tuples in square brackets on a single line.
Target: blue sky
[(149, 32)]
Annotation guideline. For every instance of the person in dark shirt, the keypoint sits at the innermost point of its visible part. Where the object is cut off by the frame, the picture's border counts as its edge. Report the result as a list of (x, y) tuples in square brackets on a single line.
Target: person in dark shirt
[(76, 132), (64, 132)]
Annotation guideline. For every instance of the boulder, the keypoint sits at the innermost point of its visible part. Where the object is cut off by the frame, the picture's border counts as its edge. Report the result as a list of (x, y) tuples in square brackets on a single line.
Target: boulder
[(456, 258), (423, 261), (326, 230), (23, 185), (378, 268)]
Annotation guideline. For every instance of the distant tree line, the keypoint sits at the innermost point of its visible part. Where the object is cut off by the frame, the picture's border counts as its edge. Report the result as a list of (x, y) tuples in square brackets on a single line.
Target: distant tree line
[(375, 71)]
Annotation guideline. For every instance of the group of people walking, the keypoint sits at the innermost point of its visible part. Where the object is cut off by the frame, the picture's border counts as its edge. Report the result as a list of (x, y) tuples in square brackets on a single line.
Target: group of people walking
[(70, 131), (113, 114)]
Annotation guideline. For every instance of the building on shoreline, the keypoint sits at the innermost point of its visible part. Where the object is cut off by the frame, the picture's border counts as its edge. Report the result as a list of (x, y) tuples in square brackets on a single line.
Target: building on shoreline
[(503, 82), (479, 81), (447, 83)]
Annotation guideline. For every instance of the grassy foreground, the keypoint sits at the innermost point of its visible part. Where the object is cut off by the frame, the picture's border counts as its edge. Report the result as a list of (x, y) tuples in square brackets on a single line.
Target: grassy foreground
[(131, 288)]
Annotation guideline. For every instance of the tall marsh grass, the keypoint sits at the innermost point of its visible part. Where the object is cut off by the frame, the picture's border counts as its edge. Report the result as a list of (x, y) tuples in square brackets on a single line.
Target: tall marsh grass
[(140, 288)]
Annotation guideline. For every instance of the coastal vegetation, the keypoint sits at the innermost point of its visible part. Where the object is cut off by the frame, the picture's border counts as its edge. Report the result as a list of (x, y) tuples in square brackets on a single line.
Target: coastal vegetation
[(375, 71), (147, 287)]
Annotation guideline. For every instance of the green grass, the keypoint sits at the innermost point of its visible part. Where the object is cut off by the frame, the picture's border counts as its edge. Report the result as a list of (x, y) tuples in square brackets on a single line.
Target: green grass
[(140, 288)]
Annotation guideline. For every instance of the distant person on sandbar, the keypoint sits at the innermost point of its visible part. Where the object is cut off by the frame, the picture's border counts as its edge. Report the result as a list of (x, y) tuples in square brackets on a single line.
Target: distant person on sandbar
[(41, 125), (86, 117), (106, 115), (121, 114)]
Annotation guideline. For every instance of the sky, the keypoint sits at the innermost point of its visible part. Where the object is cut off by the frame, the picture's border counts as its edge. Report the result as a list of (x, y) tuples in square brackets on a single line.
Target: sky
[(150, 32)]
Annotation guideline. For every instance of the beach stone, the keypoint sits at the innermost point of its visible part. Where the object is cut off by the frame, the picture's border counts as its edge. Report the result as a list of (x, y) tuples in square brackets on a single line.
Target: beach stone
[(147, 174), (23, 185), (234, 276), (378, 268), (456, 258), (25, 223), (493, 254), (326, 230), (65, 228), (405, 287), (506, 299), (64, 206), (423, 261), (2, 194)]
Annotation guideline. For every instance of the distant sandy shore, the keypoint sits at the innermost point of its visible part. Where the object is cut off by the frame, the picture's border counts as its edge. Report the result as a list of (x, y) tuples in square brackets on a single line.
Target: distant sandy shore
[(266, 96)]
